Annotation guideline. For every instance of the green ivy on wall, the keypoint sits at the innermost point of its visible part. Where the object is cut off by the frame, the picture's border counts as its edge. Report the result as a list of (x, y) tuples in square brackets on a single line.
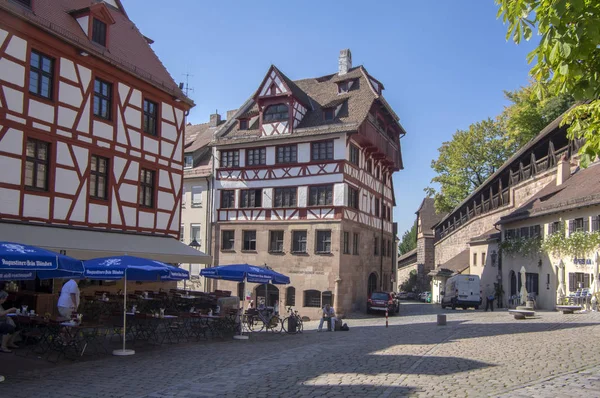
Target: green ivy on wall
[(523, 246), (576, 245)]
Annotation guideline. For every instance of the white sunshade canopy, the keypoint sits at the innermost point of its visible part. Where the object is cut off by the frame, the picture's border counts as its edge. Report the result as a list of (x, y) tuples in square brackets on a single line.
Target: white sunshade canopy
[(88, 244)]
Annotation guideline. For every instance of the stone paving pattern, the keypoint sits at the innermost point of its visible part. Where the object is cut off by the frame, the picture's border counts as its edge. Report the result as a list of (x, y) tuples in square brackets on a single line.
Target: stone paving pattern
[(477, 354)]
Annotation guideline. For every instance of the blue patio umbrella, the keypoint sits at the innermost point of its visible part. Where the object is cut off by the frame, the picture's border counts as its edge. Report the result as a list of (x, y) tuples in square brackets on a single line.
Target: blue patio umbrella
[(130, 268), (245, 273), (24, 262)]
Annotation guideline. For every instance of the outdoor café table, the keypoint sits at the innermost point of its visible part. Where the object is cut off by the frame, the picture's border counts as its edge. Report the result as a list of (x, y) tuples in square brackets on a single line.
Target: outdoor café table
[(78, 337), (217, 324)]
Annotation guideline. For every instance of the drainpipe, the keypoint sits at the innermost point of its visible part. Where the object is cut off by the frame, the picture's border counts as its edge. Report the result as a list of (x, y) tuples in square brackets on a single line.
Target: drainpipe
[(381, 235)]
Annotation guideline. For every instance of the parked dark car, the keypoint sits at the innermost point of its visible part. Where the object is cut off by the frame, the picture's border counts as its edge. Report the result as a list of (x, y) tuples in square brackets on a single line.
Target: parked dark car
[(380, 301), (402, 296), (411, 296)]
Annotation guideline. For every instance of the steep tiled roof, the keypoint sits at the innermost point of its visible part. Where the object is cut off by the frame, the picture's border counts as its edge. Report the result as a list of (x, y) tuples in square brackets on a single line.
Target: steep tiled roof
[(429, 217), (127, 48), (320, 93), (407, 258), (198, 136), (581, 189), (458, 263)]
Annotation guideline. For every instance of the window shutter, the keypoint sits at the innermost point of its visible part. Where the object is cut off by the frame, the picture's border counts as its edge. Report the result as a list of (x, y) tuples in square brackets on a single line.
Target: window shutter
[(586, 224), (196, 196), (183, 196), (571, 226), (572, 282), (586, 281), (595, 223)]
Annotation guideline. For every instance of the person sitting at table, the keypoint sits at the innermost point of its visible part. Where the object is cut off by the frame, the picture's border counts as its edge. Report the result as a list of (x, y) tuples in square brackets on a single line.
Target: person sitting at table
[(68, 302), (328, 312), (7, 326)]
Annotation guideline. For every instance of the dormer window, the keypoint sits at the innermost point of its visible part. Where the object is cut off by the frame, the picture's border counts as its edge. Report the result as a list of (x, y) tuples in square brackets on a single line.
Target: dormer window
[(343, 87), (189, 162), (276, 113), (244, 124), (26, 3), (99, 32), (329, 114)]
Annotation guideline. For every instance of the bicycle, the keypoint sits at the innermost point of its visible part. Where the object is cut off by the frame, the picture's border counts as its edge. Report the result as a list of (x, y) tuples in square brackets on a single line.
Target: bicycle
[(293, 316), (257, 320)]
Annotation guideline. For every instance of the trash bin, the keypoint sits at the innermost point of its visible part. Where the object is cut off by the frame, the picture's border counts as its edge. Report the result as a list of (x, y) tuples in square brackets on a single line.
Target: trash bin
[(292, 325)]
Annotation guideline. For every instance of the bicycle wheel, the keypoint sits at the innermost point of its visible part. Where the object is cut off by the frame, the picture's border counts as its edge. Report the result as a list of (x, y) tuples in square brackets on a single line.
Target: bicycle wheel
[(299, 325), (275, 325), (284, 324)]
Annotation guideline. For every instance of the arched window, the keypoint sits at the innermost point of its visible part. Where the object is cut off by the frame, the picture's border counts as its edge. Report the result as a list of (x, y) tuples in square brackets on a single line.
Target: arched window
[(326, 298), (312, 298), (372, 284), (267, 294), (290, 296), (275, 113)]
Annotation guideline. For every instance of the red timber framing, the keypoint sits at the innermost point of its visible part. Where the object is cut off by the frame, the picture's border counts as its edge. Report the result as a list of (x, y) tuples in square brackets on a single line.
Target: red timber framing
[(67, 123)]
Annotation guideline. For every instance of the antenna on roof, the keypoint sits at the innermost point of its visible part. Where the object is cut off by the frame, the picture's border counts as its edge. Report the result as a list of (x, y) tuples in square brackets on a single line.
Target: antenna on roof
[(186, 87)]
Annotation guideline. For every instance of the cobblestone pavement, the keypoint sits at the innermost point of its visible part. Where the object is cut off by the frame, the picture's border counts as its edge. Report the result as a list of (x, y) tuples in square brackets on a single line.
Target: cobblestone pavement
[(476, 354)]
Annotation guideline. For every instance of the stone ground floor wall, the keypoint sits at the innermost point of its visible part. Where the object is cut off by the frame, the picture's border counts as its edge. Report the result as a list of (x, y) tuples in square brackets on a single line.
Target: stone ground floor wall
[(404, 273), (345, 275)]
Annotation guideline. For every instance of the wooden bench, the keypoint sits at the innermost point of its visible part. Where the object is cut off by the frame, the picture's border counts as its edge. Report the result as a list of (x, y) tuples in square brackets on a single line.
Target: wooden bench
[(568, 309), (521, 314)]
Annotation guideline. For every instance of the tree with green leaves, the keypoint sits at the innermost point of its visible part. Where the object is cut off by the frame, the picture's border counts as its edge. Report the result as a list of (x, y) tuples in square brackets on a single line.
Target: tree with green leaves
[(466, 161), (411, 284), (528, 114), (566, 60), (409, 240)]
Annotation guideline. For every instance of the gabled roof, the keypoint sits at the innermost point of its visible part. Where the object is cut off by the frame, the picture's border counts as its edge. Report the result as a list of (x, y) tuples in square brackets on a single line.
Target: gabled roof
[(407, 258), (128, 50), (198, 136), (580, 190), (319, 93), (428, 214), (458, 263)]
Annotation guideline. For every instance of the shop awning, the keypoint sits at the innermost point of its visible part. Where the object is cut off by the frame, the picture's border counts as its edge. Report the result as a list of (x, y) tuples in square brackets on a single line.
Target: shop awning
[(87, 244)]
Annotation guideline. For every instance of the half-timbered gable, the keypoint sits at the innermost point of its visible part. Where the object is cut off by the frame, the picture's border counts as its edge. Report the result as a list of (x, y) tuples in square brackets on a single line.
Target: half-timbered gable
[(308, 164), (91, 123)]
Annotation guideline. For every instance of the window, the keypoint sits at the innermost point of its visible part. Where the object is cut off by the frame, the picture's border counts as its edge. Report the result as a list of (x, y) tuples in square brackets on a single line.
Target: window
[(383, 247), (346, 243), (99, 177), (579, 225), (353, 197), (369, 166), (102, 99), (531, 282), (285, 197), (483, 258), (321, 195), (195, 232), (183, 195), (596, 223), (322, 150), (240, 290), (578, 280), (26, 3), (376, 247), (323, 242), (343, 87), (251, 198), (355, 244), (555, 227), (196, 196), (99, 32), (188, 162), (509, 234), (249, 240), (290, 296), (329, 114), (354, 155), (230, 158), (275, 113), (146, 196), (377, 172), (181, 233), (227, 240), (255, 157), (376, 207), (150, 117), (41, 75), (524, 232), (276, 241), (312, 298), (474, 259), (244, 124), (287, 154), (37, 164), (372, 284), (227, 199), (298, 241), (326, 298)]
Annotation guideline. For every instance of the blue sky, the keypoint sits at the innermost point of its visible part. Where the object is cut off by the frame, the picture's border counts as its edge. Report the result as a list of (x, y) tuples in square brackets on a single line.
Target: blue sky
[(444, 64)]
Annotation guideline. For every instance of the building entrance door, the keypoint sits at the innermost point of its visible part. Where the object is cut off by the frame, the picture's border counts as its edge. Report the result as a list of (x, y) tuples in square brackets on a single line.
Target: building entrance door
[(266, 295)]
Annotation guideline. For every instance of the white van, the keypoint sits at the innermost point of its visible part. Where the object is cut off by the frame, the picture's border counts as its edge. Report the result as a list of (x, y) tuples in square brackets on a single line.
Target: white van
[(462, 291)]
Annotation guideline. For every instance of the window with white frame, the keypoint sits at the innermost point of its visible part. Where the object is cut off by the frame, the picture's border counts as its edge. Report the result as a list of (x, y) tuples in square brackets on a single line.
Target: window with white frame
[(183, 196), (323, 242), (182, 233), (195, 232), (196, 196), (189, 162)]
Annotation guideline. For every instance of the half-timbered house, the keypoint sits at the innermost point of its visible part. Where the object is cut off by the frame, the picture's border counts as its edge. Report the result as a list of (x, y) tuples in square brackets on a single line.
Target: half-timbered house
[(303, 184), (91, 133)]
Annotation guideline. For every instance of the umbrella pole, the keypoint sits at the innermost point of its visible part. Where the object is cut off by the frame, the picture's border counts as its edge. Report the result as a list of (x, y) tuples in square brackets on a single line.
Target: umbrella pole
[(123, 351), (241, 314)]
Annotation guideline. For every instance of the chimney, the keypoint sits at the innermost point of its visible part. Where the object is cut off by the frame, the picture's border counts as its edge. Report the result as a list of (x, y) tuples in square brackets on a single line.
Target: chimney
[(215, 119), (344, 62), (563, 170), (231, 113)]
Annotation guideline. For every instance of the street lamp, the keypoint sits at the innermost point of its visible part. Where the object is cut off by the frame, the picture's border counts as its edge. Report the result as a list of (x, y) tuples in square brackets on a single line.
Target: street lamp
[(194, 245)]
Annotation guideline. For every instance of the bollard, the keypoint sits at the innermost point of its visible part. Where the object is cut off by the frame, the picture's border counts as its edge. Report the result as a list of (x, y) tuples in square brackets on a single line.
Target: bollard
[(386, 318), (441, 320)]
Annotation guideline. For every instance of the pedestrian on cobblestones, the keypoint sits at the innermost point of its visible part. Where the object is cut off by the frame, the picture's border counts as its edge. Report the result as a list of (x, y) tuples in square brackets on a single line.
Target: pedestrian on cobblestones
[(328, 312), (489, 299)]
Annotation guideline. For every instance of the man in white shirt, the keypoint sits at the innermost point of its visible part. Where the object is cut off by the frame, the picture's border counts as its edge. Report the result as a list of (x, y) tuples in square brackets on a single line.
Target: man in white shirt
[(328, 312), (68, 302)]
